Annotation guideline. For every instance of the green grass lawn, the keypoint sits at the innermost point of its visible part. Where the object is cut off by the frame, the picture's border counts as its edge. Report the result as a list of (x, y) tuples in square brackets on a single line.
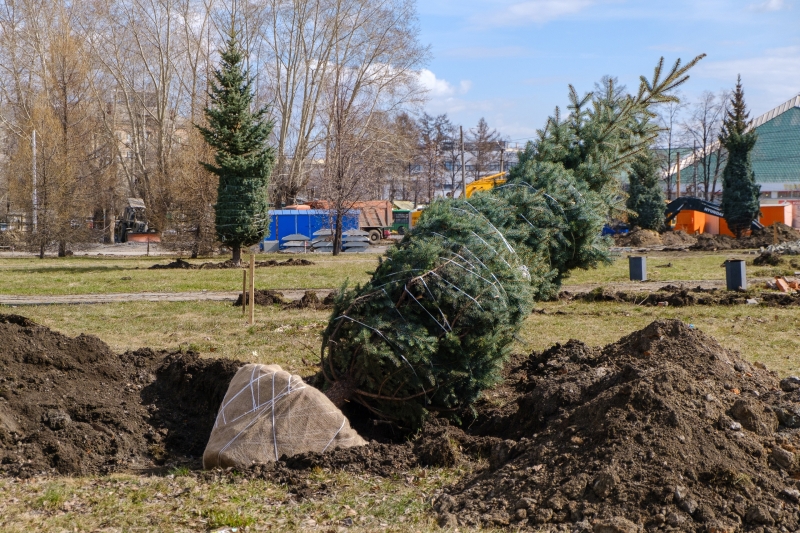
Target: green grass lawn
[(291, 338), (682, 266), (99, 275)]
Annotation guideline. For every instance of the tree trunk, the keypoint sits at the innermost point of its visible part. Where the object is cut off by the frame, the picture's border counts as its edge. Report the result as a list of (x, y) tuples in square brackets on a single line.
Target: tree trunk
[(237, 254), (341, 391), (62, 249), (337, 233)]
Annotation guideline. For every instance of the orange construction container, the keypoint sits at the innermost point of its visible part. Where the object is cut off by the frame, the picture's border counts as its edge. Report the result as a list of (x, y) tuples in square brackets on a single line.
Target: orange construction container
[(691, 222), (777, 213)]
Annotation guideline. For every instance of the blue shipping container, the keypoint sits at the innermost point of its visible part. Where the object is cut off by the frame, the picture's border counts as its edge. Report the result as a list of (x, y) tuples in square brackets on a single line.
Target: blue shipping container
[(285, 222)]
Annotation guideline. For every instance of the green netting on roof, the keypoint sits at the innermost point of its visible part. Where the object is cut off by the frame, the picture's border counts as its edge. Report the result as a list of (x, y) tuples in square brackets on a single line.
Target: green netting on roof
[(776, 156)]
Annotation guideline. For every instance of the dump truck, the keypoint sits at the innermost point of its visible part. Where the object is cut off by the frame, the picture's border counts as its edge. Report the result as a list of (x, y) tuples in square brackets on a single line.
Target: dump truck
[(374, 216)]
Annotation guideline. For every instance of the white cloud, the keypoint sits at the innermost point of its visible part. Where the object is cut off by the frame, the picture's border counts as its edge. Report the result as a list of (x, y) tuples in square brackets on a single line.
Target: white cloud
[(439, 88), (769, 5), (768, 80), (536, 11), (434, 85)]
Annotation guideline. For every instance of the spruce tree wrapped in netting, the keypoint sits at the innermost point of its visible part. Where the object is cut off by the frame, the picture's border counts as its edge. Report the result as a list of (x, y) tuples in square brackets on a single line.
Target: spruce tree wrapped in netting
[(433, 326)]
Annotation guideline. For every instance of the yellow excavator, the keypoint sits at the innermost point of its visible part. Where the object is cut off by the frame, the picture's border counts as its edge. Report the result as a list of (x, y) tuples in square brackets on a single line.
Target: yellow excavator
[(485, 183)]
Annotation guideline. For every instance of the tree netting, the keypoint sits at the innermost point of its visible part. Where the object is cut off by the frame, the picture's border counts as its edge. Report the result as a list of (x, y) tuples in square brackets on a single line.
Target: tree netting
[(431, 329), (433, 326)]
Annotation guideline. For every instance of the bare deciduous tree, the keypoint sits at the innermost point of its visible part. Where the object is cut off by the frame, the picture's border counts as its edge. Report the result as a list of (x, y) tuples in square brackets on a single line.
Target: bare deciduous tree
[(703, 127), (484, 144), (669, 141)]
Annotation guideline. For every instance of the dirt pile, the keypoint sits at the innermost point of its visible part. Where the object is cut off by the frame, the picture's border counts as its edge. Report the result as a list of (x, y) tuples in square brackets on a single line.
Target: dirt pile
[(639, 238), (263, 297), (759, 238), (765, 236), (768, 259), (70, 405), (73, 407), (664, 429), (678, 239), (680, 296), (185, 265), (709, 243), (309, 300)]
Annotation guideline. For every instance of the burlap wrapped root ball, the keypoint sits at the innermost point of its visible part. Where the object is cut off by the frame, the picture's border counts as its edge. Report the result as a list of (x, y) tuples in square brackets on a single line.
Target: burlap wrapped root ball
[(268, 413)]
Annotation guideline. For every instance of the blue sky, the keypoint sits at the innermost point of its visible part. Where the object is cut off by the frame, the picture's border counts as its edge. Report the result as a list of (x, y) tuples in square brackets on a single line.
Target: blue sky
[(510, 60)]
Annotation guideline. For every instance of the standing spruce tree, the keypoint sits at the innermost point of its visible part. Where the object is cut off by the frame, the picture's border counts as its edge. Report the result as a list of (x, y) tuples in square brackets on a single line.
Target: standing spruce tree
[(243, 159), (740, 193), (645, 196), (434, 325)]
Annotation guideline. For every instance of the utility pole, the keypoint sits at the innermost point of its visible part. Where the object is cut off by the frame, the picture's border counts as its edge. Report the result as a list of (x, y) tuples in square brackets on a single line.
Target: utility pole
[(34, 218), (678, 174), (694, 154), (502, 152), (463, 179)]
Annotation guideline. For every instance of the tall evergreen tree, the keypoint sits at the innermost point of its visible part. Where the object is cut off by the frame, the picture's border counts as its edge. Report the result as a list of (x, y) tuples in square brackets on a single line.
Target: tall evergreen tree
[(645, 196), (244, 159), (740, 193)]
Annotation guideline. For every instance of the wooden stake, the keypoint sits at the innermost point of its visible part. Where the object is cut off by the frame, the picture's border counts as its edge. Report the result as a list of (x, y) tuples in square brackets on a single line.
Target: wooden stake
[(244, 292), (252, 288)]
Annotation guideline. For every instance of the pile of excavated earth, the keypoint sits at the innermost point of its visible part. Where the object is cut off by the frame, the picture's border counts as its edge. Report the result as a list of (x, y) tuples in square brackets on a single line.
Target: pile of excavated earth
[(181, 264), (681, 296), (664, 430), (761, 238), (309, 300)]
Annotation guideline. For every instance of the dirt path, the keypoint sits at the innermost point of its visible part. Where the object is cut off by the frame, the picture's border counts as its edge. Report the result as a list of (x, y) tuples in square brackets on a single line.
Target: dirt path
[(194, 296)]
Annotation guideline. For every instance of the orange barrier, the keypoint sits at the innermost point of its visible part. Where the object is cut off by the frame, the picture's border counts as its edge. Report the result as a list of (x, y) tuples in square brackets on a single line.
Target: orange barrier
[(777, 213), (690, 221)]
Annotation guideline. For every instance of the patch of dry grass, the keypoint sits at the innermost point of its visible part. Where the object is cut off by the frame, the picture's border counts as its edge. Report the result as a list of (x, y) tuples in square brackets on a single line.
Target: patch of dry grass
[(102, 275), (676, 266), (184, 503)]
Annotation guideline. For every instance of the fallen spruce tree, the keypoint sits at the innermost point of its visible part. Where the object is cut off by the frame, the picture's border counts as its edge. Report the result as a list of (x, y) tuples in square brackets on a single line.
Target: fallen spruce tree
[(433, 326)]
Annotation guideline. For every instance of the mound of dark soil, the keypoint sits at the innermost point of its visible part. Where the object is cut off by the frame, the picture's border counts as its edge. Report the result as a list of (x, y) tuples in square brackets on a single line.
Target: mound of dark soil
[(70, 405), (664, 429), (757, 239), (310, 300), (765, 236), (679, 296), (768, 259), (678, 239), (263, 297), (709, 243), (639, 238), (181, 264)]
